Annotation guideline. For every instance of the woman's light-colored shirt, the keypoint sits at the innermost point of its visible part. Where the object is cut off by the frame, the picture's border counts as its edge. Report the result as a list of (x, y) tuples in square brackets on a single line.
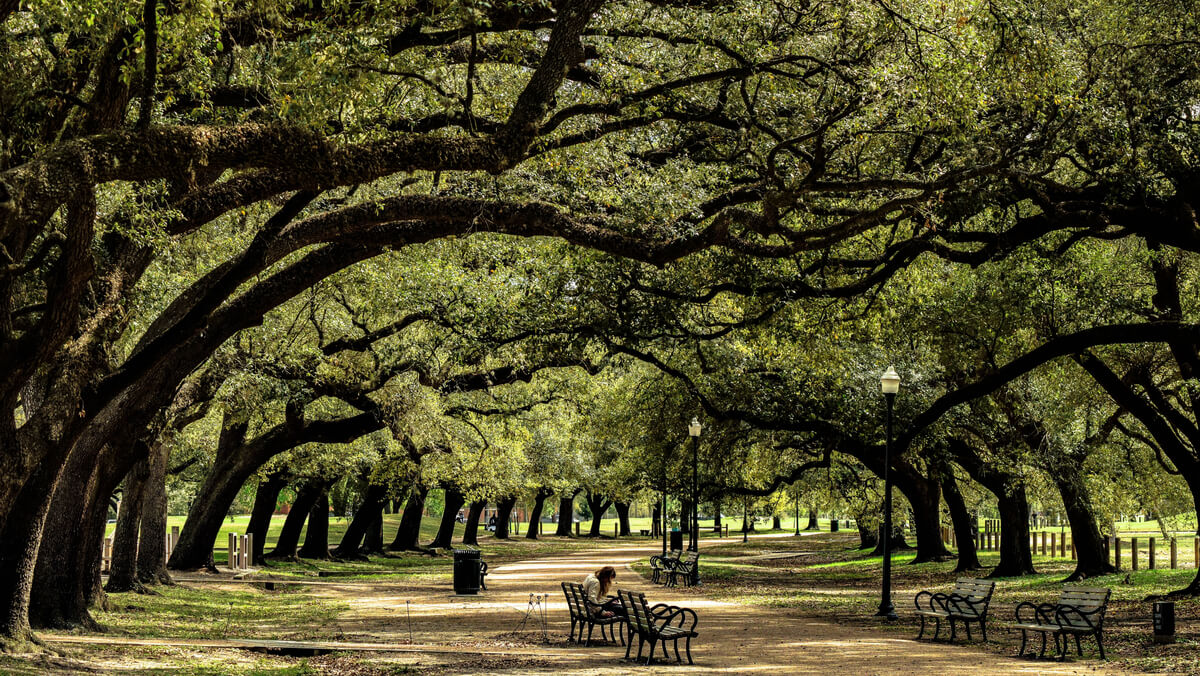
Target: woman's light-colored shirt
[(591, 589)]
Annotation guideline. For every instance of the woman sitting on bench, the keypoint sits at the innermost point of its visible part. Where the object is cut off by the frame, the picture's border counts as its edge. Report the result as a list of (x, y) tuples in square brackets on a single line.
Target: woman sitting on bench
[(596, 587)]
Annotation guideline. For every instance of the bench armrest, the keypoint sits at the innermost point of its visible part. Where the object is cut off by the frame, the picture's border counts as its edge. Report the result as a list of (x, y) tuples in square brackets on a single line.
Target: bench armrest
[(681, 615), (963, 605), (662, 609), (1040, 613), (1065, 615)]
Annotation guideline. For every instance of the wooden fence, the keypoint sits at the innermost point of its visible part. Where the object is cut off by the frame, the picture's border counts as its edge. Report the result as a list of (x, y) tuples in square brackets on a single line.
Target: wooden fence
[(1134, 551)]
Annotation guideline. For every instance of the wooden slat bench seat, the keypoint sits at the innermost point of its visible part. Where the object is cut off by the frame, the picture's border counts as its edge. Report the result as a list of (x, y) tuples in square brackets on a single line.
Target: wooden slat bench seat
[(968, 602), (1079, 611)]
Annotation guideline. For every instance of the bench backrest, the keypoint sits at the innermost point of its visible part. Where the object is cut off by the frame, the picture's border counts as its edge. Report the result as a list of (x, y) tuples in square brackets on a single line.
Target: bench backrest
[(973, 590), (1090, 600), (691, 557), (637, 611), (673, 554), (574, 593)]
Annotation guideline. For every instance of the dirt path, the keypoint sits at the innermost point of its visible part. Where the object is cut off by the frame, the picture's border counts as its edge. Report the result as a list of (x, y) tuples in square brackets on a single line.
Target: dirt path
[(734, 638)]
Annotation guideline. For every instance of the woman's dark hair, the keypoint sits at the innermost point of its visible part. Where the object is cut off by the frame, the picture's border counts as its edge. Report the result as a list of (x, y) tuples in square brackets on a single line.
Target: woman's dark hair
[(606, 575)]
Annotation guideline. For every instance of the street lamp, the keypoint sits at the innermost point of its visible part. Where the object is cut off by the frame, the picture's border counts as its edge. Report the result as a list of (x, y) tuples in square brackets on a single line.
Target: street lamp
[(890, 384), (694, 433)]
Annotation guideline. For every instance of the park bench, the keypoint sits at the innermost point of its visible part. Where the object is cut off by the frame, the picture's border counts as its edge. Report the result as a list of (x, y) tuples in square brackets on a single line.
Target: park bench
[(660, 564), (967, 602), (584, 614), (657, 624), (685, 565), (483, 575), (1078, 611)]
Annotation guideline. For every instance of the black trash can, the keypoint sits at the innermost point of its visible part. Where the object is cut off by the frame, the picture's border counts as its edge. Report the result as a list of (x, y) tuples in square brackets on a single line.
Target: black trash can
[(1164, 621), (677, 539), (833, 525), (466, 571)]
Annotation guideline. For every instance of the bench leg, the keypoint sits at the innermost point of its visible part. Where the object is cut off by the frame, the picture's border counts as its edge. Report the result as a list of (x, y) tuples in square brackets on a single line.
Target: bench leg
[(688, 647), (937, 628), (983, 628), (650, 657), (588, 642), (1043, 652), (967, 626), (953, 635), (677, 657), (1100, 645), (628, 646), (1024, 636), (641, 644), (922, 628), (1078, 647), (571, 636)]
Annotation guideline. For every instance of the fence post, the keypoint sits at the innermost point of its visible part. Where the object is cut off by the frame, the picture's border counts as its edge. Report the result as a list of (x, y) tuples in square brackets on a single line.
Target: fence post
[(230, 560), (1043, 543), (1117, 553), (1063, 547), (1151, 566), (249, 549), (1174, 554), (1053, 544), (1133, 552)]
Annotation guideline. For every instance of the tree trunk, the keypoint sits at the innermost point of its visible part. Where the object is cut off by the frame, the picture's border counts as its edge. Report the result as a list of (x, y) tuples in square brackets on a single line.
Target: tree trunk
[(373, 539), (266, 498), (504, 510), (598, 504), (656, 520), (868, 538), (122, 572), (316, 536), (776, 523), (812, 520), (535, 514), (370, 511), (152, 546), (622, 518), (19, 543), (409, 532), (211, 505), (289, 537), (566, 514), (445, 535), (1015, 557), (716, 513), (964, 534), (1089, 546), (471, 530), (897, 544), (924, 495)]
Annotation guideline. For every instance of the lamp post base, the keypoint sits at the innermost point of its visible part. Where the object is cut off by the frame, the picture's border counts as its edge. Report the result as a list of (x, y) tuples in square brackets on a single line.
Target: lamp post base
[(887, 611)]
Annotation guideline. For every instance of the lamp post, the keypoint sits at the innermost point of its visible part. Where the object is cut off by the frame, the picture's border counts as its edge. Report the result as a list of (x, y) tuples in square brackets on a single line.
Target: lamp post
[(890, 384), (797, 513), (694, 433)]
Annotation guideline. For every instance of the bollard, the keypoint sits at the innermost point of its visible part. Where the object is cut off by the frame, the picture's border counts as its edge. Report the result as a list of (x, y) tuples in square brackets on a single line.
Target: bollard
[(249, 549), (1043, 543), (1117, 553), (1174, 554), (1152, 555), (577, 528), (1073, 551), (231, 559), (1063, 548), (1133, 553), (1053, 545)]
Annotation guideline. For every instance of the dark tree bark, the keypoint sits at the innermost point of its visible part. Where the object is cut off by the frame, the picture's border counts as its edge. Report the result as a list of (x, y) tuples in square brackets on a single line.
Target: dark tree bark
[(566, 513), (266, 498), (152, 546), (924, 495), (868, 538), (471, 528), (504, 510), (656, 524), (535, 514), (776, 523), (445, 534), (716, 513), (211, 504), (812, 520), (289, 537), (622, 518), (373, 539), (316, 536), (123, 573), (370, 511), (897, 544), (1015, 556), (409, 532), (1092, 560), (964, 534), (598, 504)]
